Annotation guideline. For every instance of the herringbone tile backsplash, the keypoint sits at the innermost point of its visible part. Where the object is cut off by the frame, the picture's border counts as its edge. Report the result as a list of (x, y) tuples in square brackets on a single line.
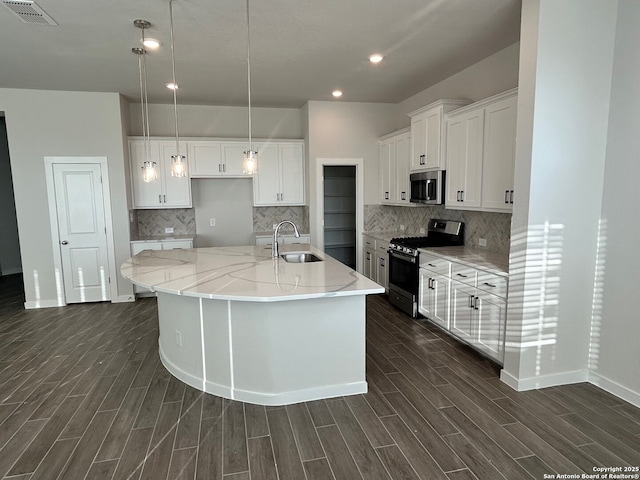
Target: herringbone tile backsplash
[(265, 217), (494, 227), (152, 223)]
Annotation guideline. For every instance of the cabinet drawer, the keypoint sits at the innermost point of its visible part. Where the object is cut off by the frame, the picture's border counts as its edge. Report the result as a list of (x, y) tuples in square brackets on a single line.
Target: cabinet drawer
[(491, 283), (382, 247), (369, 242), (464, 273), (435, 264)]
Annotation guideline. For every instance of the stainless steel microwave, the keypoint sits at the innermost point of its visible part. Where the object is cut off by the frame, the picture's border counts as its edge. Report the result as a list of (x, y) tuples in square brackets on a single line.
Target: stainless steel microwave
[(427, 187)]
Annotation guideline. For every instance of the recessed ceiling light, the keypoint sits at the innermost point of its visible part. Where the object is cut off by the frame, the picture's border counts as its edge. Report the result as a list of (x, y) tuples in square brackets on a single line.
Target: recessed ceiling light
[(376, 58), (337, 93), (151, 43), (173, 86)]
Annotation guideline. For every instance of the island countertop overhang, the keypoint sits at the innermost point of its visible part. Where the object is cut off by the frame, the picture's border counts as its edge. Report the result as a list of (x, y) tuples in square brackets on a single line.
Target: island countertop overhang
[(246, 273)]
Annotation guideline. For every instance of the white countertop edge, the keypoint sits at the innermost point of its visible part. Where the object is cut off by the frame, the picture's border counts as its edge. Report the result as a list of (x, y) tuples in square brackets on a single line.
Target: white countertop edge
[(279, 298), (495, 270)]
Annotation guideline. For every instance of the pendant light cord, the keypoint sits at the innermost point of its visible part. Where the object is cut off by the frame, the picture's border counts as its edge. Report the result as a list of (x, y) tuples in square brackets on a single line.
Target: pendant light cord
[(249, 73), (173, 71), (144, 98)]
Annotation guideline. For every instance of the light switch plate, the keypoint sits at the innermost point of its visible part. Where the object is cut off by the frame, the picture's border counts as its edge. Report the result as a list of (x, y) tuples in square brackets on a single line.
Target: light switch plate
[(422, 231), (402, 228), (212, 222), (482, 242), (168, 230)]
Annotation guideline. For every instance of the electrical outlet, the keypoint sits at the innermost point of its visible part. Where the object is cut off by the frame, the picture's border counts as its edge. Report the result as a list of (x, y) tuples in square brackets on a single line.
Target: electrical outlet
[(168, 230), (402, 228), (178, 338), (212, 222), (482, 242), (422, 231)]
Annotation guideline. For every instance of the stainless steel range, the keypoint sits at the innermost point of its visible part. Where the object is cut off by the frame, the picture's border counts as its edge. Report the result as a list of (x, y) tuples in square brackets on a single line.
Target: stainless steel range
[(404, 264)]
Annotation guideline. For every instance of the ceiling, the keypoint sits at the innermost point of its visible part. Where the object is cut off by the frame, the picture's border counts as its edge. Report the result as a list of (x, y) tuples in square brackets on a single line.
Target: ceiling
[(300, 49)]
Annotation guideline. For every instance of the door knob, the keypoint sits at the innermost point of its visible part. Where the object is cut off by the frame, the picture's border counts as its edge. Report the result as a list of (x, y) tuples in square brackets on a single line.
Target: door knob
[(64, 242)]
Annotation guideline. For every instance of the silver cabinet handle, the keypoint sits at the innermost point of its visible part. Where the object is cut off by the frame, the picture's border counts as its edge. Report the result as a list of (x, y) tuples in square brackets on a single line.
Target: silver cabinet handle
[(431, 265), (224, 167), (475, 303), (165, 198), (386, 195), (511, 197), (461, 275), (471, 297), (489, 285), (159, 198), (404, 196), (220, 167), (282, 197), (64, 242), (422, 158), (368, 256), (462, 195), (506, 196)]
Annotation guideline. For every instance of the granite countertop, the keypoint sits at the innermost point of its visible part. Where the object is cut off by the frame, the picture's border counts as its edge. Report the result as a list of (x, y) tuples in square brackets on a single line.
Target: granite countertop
[(388, 235), (247, 273), (497, 263), (161, 238)]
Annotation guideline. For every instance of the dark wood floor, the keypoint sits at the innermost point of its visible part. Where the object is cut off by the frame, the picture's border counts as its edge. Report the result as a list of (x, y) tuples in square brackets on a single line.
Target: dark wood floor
[(84, 395)]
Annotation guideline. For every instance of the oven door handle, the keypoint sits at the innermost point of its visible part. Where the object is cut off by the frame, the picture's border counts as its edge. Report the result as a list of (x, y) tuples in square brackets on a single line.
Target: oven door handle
[(401, 256)]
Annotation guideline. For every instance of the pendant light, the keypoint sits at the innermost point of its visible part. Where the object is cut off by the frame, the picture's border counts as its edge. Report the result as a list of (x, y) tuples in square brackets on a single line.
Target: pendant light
[(149, 167), (178, 162), (250, 164)]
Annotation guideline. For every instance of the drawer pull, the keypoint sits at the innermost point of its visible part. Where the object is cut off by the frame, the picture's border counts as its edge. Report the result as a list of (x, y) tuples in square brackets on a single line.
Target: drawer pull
[(431, 265), (461, 275), (475, 303), (489, 285)]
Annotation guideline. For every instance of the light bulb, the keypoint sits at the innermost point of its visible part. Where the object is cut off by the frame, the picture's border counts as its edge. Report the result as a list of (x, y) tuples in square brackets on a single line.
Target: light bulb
[(375, 58), (337, 93), (149, 172), (178, 166), (250, 162)]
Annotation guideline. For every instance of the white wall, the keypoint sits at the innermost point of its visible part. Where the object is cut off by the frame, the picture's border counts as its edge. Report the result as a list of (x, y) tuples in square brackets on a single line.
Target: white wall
[(214, 121), (346, 130), (47, 123), (490, 76), (9, 243), (229, 201), (615, 360), (550, 300)]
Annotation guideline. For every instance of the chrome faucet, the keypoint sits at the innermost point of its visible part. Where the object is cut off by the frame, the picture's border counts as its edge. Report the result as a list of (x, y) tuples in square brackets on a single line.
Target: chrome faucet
[(274, 249)]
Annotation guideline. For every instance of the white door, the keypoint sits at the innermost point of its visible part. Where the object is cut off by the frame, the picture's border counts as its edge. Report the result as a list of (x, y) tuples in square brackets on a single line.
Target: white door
[(82, 232)]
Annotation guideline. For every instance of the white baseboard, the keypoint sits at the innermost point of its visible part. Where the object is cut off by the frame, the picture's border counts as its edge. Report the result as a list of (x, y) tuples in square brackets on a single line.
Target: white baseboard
[(123, 299), (43, 304), (543, 381), (615, 388)]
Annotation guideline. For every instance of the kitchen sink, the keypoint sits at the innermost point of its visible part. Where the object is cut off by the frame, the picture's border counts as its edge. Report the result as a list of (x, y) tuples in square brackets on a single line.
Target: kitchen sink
[(300, 257)]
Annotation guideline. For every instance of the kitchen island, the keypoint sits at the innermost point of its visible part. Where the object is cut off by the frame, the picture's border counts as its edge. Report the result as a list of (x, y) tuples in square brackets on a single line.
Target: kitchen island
[(237, 323)]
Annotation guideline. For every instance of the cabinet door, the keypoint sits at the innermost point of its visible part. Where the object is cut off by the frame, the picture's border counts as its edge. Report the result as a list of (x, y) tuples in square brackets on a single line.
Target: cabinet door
[(433, 123), (418, 142), (266, 181), (490, 320), (177, 190), (233, 158), (424, 293), (440, 300), (499, 155), (382, 276), (462, 315), (292, 180), (205, 159), (403, 157), (145, 195), (387, 154), (464, 159), (368, 269)]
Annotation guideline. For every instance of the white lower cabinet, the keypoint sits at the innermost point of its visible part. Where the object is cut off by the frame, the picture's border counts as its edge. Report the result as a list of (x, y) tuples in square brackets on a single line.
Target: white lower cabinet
[(140, 246), (434, 297), (468, 302), (376, 260)]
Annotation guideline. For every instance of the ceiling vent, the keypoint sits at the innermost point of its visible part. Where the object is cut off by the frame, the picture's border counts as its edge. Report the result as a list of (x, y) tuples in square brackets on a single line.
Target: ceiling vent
[(29, 12)]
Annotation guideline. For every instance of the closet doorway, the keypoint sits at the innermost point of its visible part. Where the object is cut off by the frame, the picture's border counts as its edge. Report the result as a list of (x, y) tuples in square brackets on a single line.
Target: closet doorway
[(340, 231)]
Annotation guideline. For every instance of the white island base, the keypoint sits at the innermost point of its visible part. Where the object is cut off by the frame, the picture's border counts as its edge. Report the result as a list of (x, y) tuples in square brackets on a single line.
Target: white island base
[(268, 353)]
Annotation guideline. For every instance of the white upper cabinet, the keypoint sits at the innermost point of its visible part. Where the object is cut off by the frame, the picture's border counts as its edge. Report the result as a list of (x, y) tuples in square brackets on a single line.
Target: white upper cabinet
[(464, 159), (395, 150), (166, 191), (215, 158), (427, 139), (280, 178), (499, 154), (480, 154)]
